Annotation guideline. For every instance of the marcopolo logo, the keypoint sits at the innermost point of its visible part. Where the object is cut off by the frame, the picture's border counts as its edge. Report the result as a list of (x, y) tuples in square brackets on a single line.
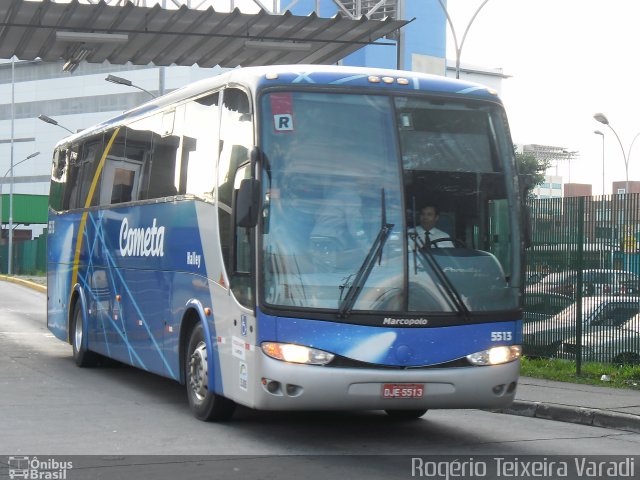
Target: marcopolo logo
[(405, 321), (140, 241)]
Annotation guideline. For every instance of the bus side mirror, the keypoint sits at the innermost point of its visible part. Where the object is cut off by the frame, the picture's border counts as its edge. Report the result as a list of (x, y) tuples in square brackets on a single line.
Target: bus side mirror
[(247, 203)]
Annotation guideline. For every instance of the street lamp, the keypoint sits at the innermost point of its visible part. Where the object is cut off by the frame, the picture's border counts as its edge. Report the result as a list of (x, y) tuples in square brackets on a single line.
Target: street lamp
[(126, 83), (50, 120), (10, 254), (600, 117), (598, 132), (464, 36)]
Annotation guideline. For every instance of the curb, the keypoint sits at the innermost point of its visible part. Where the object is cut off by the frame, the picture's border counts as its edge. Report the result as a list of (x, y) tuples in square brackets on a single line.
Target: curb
[(566, 413), (24, 283)]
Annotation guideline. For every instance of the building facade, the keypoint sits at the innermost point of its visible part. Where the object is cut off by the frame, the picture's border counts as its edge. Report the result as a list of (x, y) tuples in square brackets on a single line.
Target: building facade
[(578, 189)]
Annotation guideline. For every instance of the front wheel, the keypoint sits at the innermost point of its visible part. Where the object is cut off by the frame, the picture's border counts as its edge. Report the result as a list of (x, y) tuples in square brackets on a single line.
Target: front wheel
[(82, 356), (406, 414), (205, 404)]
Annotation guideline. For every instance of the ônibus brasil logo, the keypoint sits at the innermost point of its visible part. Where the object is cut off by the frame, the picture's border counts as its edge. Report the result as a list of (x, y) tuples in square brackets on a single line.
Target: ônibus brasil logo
[(140, 241)]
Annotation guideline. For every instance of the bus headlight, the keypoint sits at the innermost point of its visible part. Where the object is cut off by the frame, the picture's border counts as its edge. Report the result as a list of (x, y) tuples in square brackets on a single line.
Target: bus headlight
[(289, 352), (496, 355)]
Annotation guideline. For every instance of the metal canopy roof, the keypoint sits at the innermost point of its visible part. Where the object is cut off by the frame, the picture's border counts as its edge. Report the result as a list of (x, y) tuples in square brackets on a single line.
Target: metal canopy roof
[(141, 35)]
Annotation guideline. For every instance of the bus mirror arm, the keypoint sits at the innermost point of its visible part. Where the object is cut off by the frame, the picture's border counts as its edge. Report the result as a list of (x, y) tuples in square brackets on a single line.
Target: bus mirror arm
[(247, 203), (256, 160), (526, 226)]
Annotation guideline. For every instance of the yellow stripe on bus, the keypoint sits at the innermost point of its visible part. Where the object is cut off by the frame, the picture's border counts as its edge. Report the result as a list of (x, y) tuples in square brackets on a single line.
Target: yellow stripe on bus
[(87, 204)]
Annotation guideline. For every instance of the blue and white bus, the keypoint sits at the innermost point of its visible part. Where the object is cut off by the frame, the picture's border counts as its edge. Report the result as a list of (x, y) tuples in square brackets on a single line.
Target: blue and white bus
[(254, 236)]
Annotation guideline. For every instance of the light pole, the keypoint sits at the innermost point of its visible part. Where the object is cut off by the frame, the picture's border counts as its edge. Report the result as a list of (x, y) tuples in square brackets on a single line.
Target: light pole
[(10, 254), (464, 36), (598, 132), (600, 117), (51, 121), (126, 83)]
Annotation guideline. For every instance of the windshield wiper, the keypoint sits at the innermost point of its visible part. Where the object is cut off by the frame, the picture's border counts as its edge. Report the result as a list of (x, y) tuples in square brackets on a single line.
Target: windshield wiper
[(361, 276), (427, 258)]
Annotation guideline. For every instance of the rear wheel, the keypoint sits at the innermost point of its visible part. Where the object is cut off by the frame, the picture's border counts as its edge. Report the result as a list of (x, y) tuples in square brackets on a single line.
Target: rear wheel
[(205, 404), (82, 356), (406, 414)]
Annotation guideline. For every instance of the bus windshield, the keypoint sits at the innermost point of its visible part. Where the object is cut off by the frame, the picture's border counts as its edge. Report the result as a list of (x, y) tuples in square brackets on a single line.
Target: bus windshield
[(346, 181)]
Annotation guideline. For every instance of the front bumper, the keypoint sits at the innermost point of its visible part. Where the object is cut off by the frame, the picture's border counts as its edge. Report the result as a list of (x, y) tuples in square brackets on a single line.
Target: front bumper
[(286, 386)]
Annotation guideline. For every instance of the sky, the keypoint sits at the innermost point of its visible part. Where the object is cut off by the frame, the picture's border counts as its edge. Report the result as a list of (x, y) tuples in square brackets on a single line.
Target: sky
[(568, 59)]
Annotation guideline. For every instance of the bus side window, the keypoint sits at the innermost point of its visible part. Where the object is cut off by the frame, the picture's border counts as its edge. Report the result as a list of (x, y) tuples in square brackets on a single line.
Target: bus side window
[(200, 147), (122, 169), (242, 254), (58, 179), (74, 178), (156, 155), (236, 140), (89, 159)]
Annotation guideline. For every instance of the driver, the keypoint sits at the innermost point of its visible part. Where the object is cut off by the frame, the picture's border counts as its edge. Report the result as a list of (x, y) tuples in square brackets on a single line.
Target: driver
[(427, 231)]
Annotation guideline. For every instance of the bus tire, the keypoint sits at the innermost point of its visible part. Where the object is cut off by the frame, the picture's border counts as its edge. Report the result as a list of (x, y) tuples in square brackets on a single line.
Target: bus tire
[(82, 356), (205, 404), (406, 414)]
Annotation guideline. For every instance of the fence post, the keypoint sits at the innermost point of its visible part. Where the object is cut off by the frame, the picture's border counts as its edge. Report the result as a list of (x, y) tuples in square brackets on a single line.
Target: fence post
[(579, 281)]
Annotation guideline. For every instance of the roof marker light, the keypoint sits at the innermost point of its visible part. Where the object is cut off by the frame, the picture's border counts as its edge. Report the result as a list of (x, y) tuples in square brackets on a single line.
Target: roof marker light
[(387, 79), (403, 81), (271, 76), (374, 79)]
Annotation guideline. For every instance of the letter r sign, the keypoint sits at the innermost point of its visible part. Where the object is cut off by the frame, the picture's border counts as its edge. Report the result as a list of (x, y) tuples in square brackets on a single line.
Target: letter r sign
[(282, 111), (283, 122)]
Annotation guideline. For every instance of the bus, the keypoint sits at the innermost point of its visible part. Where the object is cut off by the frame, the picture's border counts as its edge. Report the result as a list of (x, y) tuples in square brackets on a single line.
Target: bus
[(254, 236)]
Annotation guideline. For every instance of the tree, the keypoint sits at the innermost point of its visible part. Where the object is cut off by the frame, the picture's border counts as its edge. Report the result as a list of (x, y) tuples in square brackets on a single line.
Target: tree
[(531, 170)]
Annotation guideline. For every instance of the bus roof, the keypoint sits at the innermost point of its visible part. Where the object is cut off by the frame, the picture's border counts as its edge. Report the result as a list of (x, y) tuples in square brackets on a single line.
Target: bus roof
[(257, 78)]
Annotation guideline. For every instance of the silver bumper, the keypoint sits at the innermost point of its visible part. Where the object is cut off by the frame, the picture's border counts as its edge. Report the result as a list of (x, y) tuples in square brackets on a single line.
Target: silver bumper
[(307, 387)]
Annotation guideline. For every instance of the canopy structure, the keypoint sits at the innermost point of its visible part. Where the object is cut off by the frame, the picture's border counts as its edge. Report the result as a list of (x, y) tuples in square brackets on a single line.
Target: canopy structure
[(120, 34)]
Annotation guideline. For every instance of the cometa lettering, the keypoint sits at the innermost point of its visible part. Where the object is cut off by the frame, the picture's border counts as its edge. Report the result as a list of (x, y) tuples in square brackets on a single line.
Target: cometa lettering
[(141, 242)]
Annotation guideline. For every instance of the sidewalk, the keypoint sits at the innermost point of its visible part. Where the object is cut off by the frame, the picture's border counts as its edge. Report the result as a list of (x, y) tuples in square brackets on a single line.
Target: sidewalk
[(35, 283), (593, 405)]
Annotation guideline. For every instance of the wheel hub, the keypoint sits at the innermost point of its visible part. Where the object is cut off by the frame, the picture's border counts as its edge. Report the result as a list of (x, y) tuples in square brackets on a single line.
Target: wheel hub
[(199, 371), (77, 337)]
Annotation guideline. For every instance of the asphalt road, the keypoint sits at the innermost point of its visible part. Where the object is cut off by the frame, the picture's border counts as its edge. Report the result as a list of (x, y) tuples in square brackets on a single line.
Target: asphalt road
[(49, 407)]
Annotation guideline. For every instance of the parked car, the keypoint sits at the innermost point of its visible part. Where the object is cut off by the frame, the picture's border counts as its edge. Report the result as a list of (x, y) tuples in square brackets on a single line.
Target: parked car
[(594, 282), (543, 337), (619, 344), (534, 277), (541, 306)]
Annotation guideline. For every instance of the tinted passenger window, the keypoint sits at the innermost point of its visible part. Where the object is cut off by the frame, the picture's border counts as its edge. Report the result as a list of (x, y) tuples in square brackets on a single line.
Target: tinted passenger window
[(58, 179), (236, 140), (121, 171), (200, 146)]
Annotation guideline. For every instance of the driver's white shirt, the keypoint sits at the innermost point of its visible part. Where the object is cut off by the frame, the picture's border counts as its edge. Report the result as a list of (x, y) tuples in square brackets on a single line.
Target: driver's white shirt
[(434, 234)]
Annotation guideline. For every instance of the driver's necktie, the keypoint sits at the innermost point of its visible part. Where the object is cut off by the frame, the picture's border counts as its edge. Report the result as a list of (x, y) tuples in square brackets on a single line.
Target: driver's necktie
[(427, 242)]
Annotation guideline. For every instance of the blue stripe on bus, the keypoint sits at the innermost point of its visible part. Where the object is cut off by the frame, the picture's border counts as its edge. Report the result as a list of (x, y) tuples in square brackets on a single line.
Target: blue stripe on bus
[(387, 346)]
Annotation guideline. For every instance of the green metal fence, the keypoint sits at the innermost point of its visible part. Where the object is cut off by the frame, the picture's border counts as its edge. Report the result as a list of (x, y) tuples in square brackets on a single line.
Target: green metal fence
[(29, 257), (584, 264)]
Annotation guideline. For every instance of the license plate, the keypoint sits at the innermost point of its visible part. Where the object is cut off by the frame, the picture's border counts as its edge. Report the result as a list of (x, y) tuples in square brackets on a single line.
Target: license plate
[(402, 390)]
